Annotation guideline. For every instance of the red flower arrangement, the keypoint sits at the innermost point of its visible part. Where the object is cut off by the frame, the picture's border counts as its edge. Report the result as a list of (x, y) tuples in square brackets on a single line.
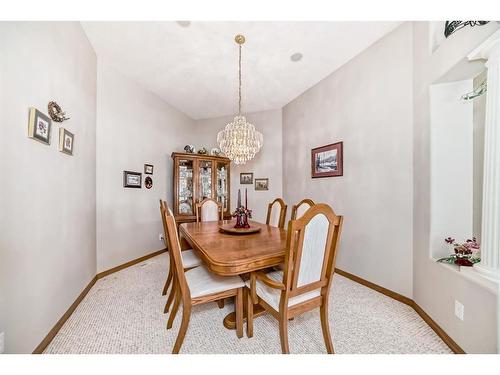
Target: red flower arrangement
[(465, 254), (242, 214)]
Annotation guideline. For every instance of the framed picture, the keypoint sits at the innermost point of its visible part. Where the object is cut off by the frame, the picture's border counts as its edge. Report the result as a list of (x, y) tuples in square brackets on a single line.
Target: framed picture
[(132, 179), (66, 140), (39, 126), (246, 178), (327, 161), (261, 184), (148, 169), (148, 182)]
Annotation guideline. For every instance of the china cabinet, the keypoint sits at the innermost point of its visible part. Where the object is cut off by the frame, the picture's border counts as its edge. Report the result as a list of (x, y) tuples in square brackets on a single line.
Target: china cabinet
[(197, 177)]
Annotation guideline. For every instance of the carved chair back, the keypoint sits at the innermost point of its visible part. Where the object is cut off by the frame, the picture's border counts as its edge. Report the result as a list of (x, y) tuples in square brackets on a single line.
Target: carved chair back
[(208, 210), (276, 213), (300, 208), (312, 242)]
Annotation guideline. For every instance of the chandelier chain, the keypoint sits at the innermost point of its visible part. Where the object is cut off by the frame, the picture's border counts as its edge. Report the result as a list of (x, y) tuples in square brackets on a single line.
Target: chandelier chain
[(239, 140), (239, 87)]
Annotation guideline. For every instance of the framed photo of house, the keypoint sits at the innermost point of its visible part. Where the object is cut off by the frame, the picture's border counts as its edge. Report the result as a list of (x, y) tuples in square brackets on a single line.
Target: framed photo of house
[(39, 126), (261, 184), (246, 178), (132, 179), (148, 169), (66, 141), (327, 161)]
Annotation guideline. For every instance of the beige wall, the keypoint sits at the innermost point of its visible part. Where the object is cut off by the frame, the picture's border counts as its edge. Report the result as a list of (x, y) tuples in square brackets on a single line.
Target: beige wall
[(134, 127), (266, 164), (367, 104), (436, 287), (47, 198)]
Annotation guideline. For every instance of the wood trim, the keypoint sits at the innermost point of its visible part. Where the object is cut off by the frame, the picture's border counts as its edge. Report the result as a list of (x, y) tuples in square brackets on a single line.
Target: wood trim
[(407, 301), (378, 288), (53, 332), (102, 274), (439, 331)]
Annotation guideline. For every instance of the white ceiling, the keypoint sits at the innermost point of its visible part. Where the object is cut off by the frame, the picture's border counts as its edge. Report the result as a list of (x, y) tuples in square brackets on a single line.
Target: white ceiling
[(195, 68)]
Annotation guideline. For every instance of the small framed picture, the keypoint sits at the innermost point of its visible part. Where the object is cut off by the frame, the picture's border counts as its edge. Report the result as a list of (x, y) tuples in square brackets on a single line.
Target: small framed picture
[(327, 161), (39, 126), (66, 140), (246, 178), (132, 179), (261, 184), (148, 169)]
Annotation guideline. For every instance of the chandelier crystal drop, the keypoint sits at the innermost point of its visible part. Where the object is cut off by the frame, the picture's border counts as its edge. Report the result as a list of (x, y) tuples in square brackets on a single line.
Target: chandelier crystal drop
[(239, 140)]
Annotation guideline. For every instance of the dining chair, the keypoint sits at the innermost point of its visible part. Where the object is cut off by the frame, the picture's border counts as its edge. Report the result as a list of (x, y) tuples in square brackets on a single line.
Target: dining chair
[(305, 282), (197, 286), (300, 208), (276, 213), (189, 259), (208, 210)]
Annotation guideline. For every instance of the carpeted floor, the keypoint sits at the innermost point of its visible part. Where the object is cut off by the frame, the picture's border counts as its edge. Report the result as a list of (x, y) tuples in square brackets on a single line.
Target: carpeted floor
[(123, 313)]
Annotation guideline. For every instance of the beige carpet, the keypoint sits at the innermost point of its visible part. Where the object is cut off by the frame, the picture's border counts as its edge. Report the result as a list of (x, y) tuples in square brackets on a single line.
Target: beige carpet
[(123, 313)]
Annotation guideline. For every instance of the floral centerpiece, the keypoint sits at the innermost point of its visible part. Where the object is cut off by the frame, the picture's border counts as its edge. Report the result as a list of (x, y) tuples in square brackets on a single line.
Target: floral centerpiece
[(242, 213), (465, 254)]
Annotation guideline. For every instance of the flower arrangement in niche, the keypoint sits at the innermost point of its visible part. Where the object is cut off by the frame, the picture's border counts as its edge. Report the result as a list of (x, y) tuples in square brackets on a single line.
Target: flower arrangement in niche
[(465, 254)]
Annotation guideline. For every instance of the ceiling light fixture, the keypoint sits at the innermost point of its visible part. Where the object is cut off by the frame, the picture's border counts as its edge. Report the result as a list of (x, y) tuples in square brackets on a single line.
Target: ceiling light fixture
[(239, 140), (184, 23), (297, 56)]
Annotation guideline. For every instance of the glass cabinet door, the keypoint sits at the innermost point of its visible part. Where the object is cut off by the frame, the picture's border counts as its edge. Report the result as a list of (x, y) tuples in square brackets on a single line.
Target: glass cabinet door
[(185, 187), (205, 179), (223, 186)]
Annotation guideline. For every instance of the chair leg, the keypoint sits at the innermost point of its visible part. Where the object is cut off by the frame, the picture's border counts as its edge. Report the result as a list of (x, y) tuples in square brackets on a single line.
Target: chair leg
[(325, 327), (249, 314), (186, 315), (220, 303), (239, 312), (171, 318), (171, 296), (167, 282), (284, 335)]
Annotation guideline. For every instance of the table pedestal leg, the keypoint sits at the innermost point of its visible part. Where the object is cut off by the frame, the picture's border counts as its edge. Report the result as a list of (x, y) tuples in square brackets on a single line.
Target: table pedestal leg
[(230, 319)]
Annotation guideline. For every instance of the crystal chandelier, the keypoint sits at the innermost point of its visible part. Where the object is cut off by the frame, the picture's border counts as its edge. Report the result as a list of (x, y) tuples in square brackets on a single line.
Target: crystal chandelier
[(239, 140)]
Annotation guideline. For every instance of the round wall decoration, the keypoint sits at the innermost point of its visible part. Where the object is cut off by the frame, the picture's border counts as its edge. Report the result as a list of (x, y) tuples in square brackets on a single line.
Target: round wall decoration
[(148, 182), (56, 113)]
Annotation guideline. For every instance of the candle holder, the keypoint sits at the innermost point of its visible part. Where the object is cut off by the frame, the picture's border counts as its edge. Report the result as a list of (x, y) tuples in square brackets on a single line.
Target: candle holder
[(242, 214)]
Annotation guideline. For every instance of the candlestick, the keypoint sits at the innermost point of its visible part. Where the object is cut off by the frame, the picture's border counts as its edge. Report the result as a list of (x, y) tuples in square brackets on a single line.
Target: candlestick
[(246, 198), (239, 198)]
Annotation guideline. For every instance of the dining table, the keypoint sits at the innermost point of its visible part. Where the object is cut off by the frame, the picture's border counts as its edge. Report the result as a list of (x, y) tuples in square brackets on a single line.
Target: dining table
[(230, 254)]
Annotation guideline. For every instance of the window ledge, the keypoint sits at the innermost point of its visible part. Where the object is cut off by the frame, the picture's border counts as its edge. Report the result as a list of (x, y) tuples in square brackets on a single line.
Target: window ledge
[(473, 275)]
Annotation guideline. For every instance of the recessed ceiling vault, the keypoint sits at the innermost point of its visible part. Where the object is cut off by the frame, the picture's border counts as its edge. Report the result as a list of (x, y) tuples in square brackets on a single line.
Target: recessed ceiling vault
[(194, 66)]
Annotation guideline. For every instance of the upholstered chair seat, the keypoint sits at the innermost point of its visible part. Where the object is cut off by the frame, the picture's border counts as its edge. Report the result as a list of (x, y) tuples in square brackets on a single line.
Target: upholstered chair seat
[(202, 282), (272, 296), (190, 259)]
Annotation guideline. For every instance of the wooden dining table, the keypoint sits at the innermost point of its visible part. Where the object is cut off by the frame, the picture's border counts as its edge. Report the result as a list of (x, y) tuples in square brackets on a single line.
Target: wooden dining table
[(227, 254)]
